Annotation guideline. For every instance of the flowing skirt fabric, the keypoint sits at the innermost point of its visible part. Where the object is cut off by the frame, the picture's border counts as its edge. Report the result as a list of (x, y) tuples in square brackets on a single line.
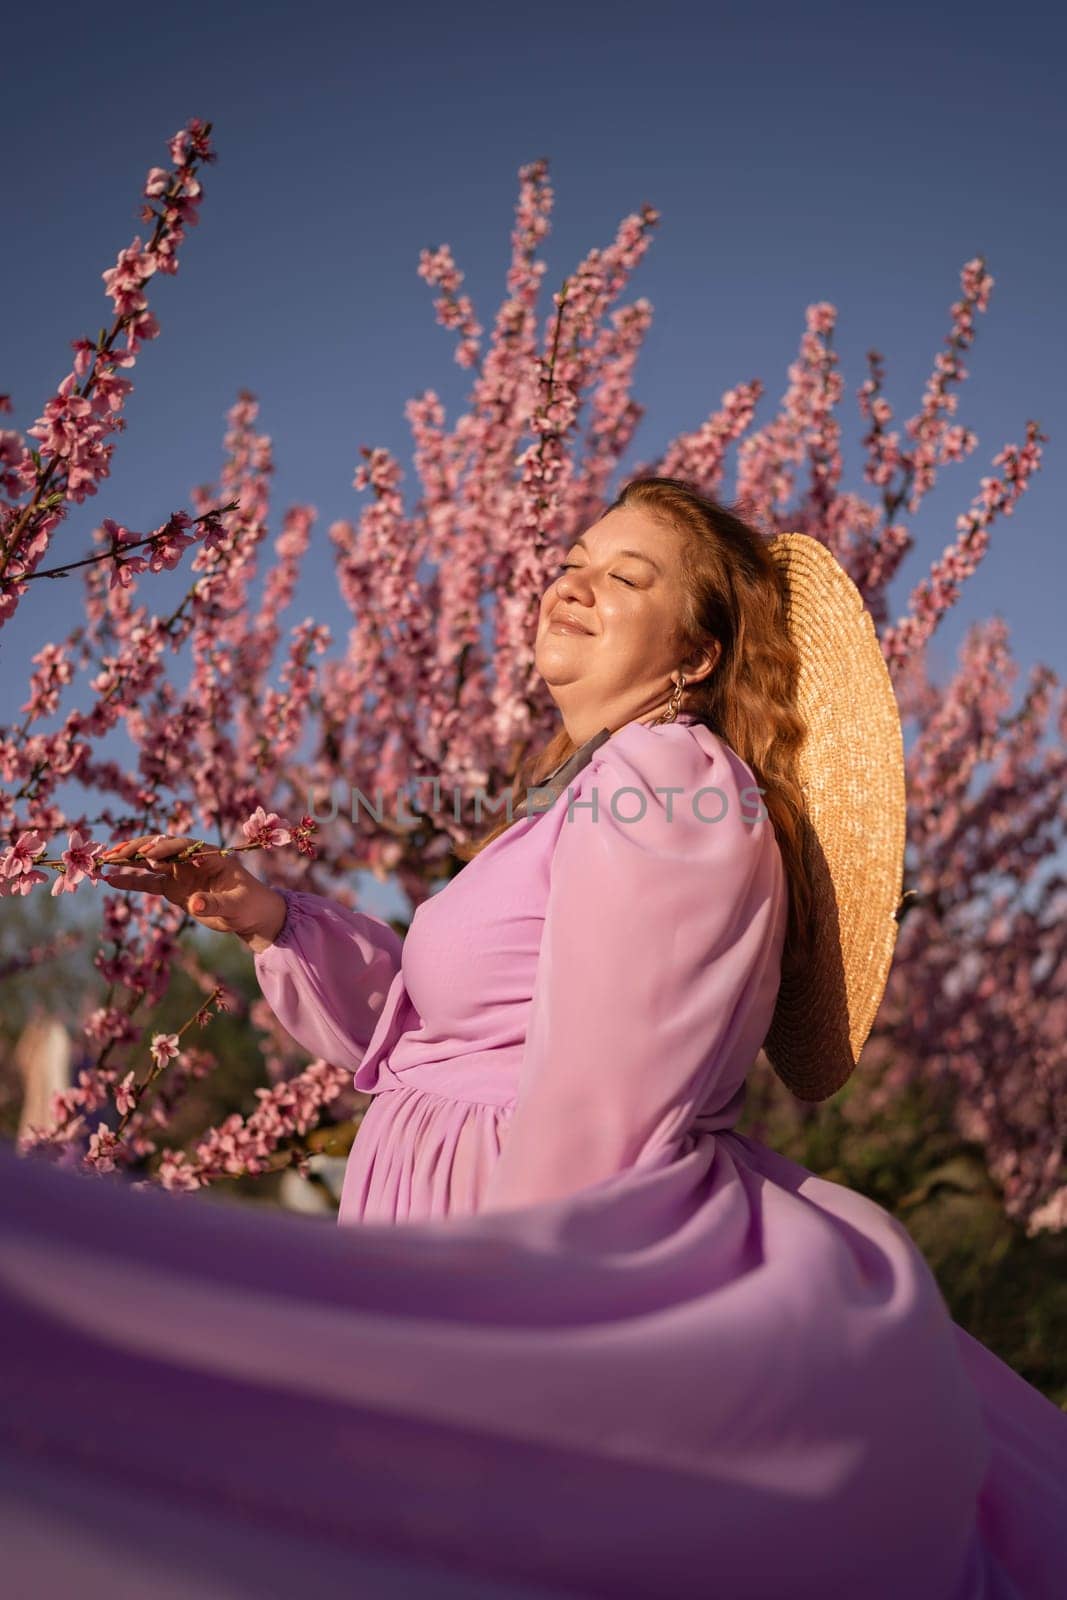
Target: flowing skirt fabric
[(583, 1397)]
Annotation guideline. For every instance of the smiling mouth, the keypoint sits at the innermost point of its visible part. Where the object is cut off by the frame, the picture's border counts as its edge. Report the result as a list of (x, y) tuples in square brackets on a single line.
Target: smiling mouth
[(565, 625)]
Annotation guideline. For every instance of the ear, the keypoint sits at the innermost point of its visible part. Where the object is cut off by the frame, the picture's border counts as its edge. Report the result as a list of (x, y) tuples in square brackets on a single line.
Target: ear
[(704, 663)]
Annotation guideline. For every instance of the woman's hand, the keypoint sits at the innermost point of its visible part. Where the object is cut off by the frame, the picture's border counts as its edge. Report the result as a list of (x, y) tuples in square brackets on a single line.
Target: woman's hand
[(216, 890)]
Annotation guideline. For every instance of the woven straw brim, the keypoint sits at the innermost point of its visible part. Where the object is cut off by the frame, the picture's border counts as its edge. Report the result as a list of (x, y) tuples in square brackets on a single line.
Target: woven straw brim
[(851, 769)]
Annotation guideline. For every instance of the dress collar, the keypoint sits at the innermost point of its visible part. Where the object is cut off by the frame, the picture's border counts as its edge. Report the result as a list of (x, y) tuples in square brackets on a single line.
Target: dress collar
[(560, 777)]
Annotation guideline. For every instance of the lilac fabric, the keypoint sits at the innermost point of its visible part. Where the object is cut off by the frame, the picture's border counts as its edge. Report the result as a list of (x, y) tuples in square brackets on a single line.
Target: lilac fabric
[(583, 999), (615, 1347)]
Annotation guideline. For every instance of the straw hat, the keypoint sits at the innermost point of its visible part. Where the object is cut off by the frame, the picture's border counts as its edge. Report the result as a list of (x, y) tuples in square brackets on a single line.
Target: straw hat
[(851, 772)]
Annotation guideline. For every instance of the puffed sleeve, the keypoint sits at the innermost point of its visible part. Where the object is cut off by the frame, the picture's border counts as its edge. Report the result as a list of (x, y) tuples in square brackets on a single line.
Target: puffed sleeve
[(327, 974), (658, 966)]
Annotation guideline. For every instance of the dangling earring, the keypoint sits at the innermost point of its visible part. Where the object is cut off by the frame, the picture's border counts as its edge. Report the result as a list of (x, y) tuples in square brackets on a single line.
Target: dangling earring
[(674, 704)]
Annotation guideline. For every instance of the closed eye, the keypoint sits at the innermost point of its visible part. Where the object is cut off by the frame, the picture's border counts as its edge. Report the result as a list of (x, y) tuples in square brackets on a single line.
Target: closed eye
[(567, 565)]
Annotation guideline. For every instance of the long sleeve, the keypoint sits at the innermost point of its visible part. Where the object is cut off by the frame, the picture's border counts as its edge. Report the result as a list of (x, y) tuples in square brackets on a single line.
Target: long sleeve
[(327, 974), (658, 966)]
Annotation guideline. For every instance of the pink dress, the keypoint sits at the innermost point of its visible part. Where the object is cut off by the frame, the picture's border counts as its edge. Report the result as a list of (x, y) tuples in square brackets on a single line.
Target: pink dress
[(509, 1014), (616, 1348)]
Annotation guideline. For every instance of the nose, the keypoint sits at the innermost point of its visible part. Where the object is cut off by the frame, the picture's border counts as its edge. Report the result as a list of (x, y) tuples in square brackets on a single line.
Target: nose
[(571, 586)]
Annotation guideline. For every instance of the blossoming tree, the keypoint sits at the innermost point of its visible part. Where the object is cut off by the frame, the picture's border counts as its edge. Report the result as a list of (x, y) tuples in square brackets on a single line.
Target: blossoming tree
[(435, 684)]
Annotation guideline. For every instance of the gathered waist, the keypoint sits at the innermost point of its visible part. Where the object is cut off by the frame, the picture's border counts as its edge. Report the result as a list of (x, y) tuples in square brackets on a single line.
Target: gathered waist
[(460, 1087), (458, 1081)]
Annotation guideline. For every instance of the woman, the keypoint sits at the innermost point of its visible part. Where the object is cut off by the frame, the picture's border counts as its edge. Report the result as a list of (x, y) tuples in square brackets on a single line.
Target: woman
[(630, 638), (710, 1370)]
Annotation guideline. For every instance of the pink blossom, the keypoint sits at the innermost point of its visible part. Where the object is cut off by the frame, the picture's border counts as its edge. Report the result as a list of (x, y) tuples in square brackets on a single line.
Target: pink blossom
[(454, 310), (104, 1147), (79, 860), (164, 1047), (17, 872), (170, 541), (21, 884), (125, 1099), (268, 831), (108, 1025), (125, 571), (54, 670), (175, 1174)]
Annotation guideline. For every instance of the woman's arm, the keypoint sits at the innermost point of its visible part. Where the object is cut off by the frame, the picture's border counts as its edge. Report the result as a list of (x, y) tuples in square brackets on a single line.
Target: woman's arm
[(657, 969), (326, 975), (324, 971)]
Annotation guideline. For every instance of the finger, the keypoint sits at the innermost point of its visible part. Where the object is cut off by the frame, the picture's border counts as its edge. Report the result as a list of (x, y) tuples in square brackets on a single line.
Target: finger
[(135, 878), (114, 852), (203, 905), (151, 843), (135, 870), (163, 849), (155, 850), (128, 847)]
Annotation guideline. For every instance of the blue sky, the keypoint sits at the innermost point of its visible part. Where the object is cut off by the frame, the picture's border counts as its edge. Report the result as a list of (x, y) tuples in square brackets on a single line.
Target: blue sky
[(831, 152)]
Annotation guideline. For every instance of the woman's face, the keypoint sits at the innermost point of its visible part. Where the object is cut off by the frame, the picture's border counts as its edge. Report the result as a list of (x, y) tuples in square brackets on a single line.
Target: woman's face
[(622, 586)]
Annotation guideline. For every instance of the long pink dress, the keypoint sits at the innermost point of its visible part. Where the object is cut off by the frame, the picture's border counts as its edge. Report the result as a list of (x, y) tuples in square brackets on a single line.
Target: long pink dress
[(616, 1347)]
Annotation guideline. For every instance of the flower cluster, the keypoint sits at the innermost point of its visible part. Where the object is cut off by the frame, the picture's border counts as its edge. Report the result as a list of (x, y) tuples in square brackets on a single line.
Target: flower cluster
[(242, 1146), (74, 447)]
